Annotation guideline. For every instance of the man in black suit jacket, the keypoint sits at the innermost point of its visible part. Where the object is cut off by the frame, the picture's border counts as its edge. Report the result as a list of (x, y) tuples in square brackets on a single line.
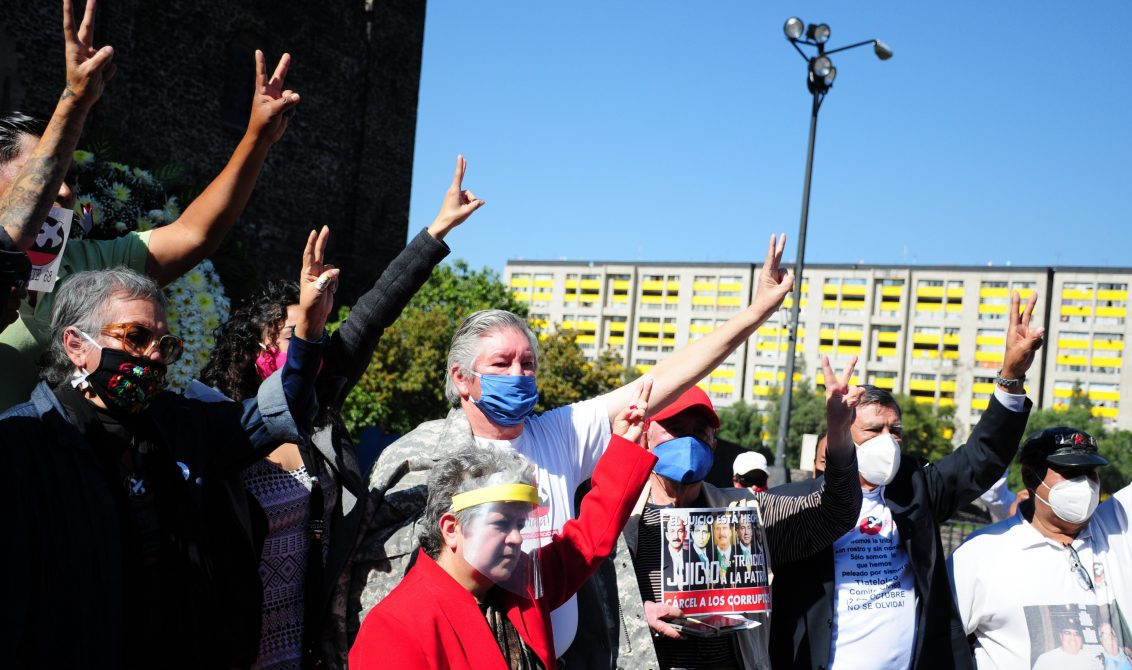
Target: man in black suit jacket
[(916, 624)]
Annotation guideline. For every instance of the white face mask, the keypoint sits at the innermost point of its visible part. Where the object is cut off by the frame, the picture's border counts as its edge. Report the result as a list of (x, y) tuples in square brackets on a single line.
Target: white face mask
[(1073, 500), (878, 459)]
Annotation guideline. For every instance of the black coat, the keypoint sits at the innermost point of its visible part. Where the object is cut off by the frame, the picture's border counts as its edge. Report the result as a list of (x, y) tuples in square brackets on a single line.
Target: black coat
[(921, 497), (331, 450), (62, 566)]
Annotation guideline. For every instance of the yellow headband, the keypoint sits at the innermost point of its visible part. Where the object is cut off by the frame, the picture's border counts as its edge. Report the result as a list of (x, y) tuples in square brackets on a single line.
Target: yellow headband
[(499, 493)]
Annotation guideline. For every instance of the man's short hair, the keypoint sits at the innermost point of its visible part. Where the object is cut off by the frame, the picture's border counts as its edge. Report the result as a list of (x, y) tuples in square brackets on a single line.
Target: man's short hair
[(875, 395), (13, 125), (465, 346)]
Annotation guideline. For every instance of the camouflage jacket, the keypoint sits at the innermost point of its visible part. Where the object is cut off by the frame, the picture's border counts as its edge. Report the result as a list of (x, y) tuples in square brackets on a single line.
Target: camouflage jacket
[(398, 490)]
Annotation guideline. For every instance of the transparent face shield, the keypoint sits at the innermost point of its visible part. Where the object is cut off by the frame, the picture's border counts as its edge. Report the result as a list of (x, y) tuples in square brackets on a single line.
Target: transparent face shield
[(491, 524)]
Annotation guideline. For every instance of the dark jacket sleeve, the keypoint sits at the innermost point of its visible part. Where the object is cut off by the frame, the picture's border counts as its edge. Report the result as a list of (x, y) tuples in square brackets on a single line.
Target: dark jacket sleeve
[(351, 346), (965, 473), (798, 527)]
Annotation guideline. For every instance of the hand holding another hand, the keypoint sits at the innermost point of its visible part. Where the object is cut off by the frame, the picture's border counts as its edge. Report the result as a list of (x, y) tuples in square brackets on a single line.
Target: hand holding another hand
[(630, 422)]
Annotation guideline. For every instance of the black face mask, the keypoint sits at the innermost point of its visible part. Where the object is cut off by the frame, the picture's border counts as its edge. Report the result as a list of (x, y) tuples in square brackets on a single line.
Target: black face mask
[(126, 383)]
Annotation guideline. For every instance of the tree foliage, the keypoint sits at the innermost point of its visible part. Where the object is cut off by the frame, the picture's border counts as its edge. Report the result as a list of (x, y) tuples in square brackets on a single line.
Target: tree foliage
[(742, 423), (927, 429), (565, 376), (807, 415), (404, 384)]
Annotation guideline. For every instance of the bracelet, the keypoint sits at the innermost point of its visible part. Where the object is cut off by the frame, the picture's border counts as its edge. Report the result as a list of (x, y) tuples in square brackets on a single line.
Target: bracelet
[(1008, 383)]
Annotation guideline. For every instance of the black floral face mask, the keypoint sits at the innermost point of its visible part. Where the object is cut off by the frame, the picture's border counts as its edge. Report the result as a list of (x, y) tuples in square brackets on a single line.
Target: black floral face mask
[(125, 383)]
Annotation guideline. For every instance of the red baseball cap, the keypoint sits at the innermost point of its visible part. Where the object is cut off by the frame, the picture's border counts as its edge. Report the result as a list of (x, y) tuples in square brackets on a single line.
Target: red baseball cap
[(693, 398)]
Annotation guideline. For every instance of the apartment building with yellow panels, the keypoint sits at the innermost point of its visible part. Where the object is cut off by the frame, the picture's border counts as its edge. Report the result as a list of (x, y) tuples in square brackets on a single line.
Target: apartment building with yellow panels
[(936, 333)]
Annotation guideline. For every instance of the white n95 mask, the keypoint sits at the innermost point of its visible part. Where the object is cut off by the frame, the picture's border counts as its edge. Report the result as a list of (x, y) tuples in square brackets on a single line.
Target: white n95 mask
[(1073, 500), (878, 459)]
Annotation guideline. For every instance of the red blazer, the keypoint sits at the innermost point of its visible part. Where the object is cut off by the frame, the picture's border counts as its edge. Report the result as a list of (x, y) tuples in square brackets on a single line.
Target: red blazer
[(430, 621)]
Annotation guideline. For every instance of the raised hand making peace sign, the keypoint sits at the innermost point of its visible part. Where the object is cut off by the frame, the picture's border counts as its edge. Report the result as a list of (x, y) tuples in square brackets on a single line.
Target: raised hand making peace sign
[(88, 69), (1022, 342), (774, 282), (272, 106)]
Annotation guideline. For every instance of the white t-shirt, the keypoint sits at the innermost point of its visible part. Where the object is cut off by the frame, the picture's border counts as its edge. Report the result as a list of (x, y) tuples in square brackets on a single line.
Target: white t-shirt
[(874, 610), (1016, 591), (565, 445)]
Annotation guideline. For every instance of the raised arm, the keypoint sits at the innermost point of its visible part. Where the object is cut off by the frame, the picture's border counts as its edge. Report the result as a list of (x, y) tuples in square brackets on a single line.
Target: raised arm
[(798, 527), (351, 347), (965, 473), (619, 478), (35, 187), (681, 370), (174, 249)]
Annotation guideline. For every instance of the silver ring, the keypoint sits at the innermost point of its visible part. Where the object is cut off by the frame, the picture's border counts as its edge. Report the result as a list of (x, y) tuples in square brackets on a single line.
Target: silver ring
[(320, 285)]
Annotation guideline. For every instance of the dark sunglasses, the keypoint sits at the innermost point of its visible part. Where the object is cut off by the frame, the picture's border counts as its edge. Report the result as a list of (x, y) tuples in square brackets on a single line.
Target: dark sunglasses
[(139, 340)]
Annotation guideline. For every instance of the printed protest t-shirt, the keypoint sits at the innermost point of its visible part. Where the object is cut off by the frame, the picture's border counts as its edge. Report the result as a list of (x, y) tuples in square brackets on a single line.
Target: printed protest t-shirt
[(874, 613), (1031, 602), (565, 445)]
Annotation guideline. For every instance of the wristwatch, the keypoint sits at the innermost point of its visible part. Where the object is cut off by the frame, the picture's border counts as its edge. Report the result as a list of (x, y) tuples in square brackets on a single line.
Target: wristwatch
[(1008, 383)]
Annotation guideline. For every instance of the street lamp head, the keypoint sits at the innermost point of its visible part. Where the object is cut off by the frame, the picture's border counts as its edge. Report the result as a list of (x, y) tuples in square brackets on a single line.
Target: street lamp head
[(821, 67), (818, 32), (793, 28), (882, 50), (821, 76)]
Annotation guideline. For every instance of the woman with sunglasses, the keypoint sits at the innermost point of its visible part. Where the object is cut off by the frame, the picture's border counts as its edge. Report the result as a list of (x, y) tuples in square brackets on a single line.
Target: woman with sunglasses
[(128, 535), (313, 493)]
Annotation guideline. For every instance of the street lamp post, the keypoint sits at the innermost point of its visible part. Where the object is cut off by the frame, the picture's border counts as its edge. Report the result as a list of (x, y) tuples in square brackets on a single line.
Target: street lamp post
[(819, 80)]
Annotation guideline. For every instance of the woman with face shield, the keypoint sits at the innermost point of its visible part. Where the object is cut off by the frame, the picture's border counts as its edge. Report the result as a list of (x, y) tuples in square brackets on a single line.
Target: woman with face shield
[(471, 569)]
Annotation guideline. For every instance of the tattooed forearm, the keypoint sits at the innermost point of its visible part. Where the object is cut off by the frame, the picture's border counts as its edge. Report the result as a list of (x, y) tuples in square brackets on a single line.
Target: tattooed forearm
[(25, 204)]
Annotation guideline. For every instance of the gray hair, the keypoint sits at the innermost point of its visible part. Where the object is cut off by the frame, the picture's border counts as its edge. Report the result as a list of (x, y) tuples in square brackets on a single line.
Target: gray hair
[(469, 469), (83, 301), (874, 395), (465, 346)]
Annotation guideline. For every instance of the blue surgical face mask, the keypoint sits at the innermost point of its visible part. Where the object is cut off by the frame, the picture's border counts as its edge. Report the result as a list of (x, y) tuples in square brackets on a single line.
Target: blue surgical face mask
[(507, 399), (685, 459)]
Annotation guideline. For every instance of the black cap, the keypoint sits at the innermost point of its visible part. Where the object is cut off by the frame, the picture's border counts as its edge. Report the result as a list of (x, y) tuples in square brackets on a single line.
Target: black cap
[(1061, 446)]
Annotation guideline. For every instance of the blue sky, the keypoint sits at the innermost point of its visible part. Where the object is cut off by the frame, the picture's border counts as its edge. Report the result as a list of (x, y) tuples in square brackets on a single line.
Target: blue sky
[(676, 131)]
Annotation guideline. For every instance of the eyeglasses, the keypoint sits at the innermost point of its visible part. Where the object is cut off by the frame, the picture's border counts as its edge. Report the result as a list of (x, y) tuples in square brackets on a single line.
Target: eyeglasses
[(1078, 570), (139, 340)]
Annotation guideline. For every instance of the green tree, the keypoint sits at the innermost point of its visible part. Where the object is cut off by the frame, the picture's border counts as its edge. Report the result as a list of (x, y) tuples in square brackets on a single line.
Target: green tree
[(742, 423), (807, 415), (565, 376), (927, 430), (404, 384)]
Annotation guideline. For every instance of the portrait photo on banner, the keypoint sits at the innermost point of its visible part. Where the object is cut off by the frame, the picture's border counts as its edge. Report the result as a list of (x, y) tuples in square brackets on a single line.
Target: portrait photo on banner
[(714, 561)]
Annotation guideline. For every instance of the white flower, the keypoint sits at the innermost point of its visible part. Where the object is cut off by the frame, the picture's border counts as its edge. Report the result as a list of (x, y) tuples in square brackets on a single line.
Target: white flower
[(120, 192), (172, 210), (118, 166), (143, 176), (121, 227), (83, 158), (157, 216), (196, 279)]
